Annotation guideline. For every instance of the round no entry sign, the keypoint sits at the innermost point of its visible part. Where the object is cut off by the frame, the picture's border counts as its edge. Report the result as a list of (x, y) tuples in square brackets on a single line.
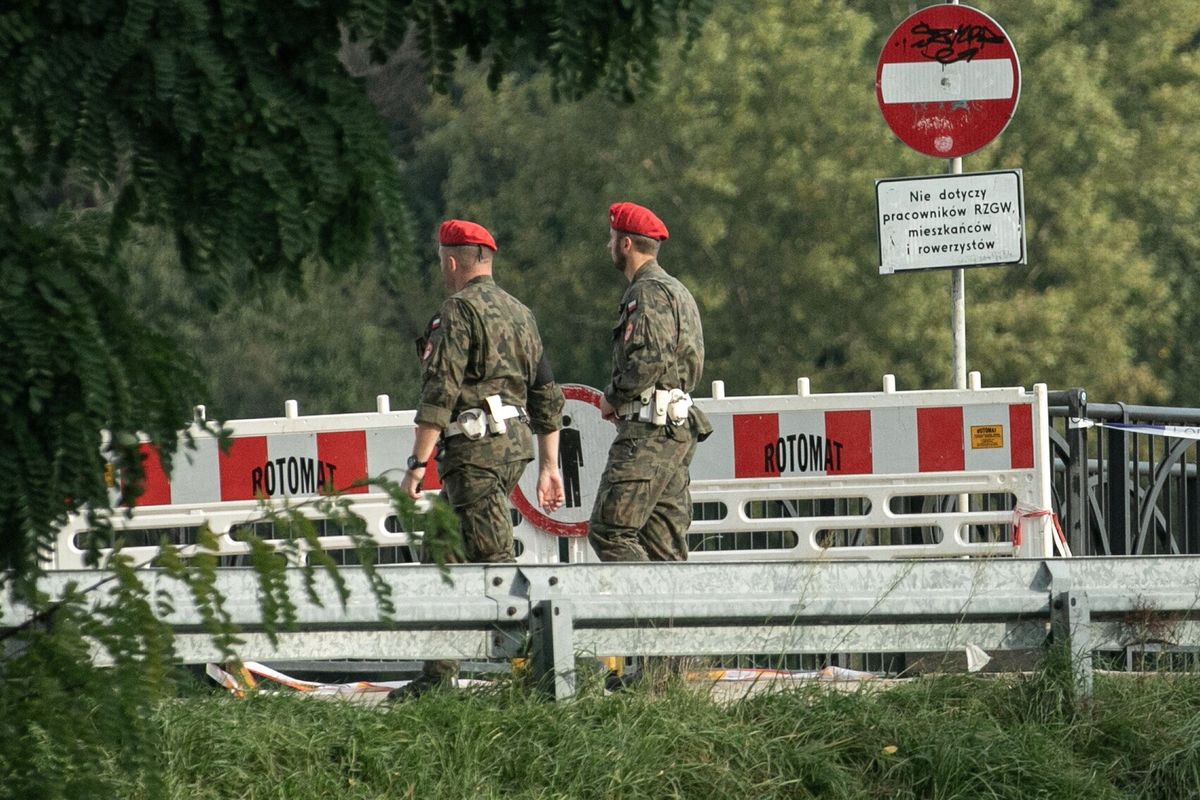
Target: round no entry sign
[(948, 80)]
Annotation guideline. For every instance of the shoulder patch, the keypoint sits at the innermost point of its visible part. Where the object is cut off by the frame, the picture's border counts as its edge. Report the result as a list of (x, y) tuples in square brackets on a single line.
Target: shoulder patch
[(435, 323), (631, 306)]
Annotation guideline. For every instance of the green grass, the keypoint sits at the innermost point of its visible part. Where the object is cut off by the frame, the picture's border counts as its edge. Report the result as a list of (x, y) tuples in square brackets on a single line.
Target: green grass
[(954, 737)]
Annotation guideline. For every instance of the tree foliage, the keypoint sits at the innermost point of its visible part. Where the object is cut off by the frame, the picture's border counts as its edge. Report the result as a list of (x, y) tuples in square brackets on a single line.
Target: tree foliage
[(235, 128), (1155, 70), (74, 360), (332, 346)]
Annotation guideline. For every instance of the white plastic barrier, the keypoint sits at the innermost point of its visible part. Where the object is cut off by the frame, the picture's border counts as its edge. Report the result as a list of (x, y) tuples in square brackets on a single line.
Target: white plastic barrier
[(879, 475), (866, 475)]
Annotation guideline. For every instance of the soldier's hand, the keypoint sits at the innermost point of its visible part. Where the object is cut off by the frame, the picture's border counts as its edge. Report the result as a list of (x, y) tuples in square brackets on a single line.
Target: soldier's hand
[(550, 495), (607, 410), (411, 484)]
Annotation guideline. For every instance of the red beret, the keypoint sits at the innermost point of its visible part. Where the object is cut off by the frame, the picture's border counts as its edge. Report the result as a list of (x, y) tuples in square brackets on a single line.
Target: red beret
[(459, 231), (632, 218)]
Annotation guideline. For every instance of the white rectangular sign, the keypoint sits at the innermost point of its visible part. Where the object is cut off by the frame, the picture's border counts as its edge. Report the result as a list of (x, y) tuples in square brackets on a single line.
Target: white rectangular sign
[(942, 221)]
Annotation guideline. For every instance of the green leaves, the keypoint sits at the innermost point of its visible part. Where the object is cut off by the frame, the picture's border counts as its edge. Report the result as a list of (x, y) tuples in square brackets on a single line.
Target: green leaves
[(73, 361), (250, 160)]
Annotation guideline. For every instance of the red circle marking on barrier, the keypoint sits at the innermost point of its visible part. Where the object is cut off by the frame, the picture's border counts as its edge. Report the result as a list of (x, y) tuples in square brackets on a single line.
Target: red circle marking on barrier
[(536, 517)]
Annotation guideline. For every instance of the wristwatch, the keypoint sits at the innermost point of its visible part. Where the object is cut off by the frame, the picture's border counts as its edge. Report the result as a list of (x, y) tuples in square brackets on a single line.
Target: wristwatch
[(414, 463)]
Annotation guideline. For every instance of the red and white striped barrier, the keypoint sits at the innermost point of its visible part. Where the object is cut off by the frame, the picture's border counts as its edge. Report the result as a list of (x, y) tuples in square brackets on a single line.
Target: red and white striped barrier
[(293, 457), (864, 475), (892, 474), (877, 440)]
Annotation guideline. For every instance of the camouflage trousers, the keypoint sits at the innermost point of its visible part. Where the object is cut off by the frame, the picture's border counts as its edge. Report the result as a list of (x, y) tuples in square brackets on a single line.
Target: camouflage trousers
[(479, 497), (643, 505)]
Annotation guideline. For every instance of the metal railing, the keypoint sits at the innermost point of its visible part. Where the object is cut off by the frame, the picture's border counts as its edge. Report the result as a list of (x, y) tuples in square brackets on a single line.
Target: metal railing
[(1119, 492), (553, 614)]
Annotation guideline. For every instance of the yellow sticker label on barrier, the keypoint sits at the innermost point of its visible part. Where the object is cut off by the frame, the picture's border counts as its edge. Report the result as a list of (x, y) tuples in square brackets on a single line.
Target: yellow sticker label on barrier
[(987, 437)]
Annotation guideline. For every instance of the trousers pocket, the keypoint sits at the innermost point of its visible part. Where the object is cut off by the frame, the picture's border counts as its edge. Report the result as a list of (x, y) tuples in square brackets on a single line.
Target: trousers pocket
[(626, 504), (630, 458)]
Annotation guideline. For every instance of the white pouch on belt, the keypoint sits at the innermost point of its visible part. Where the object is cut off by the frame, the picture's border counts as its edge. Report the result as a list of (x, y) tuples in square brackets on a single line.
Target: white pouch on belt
[(678, 405), (498, 412), (473, 422), (662, 398)]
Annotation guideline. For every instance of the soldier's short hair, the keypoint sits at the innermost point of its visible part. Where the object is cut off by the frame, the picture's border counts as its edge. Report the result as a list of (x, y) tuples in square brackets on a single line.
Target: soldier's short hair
[(642, 244), (469, 255)]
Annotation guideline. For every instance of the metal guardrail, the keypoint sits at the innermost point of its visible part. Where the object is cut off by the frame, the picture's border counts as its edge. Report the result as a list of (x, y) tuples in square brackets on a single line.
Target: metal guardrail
[(553, 613), (1119, 492)]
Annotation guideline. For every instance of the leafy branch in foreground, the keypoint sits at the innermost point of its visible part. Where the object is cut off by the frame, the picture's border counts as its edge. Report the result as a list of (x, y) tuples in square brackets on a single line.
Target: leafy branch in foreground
[(61, 715), (295, 545), (83, 679), (73, 361)]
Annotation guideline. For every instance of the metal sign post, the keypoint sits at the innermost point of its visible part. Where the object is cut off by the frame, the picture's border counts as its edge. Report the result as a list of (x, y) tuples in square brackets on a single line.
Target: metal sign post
[(958, 308)]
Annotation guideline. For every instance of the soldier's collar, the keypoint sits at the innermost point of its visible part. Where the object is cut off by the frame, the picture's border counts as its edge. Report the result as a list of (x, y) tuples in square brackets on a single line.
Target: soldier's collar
[(649, 267)]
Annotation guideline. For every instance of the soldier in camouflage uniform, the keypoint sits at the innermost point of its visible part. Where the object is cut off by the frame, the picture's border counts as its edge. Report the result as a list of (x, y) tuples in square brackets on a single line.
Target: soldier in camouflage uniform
[(643, 505), (482, 343)]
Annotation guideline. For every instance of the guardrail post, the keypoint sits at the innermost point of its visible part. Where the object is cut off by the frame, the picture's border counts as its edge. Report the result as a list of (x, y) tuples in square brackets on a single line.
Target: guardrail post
[(552, 642), (1071, 628)]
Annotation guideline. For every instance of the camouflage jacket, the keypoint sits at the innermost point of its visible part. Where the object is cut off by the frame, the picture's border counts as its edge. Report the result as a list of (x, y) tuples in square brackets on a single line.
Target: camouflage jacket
[(481, 342), (658, 340)]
